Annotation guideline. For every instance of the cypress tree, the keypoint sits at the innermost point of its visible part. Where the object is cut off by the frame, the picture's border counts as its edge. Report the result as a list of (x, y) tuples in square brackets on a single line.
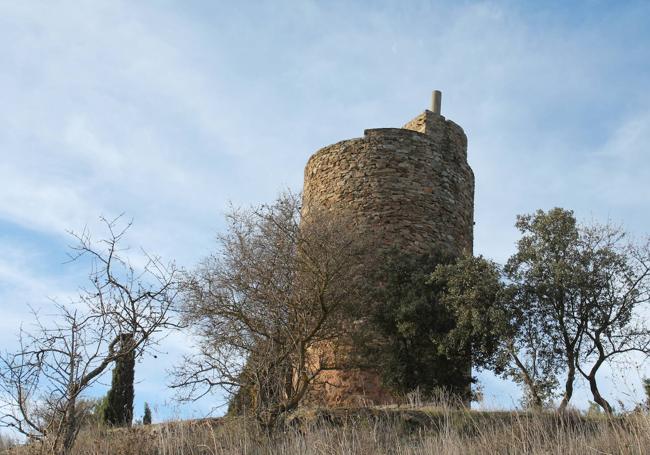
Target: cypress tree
[(119, 401), (146, 418)]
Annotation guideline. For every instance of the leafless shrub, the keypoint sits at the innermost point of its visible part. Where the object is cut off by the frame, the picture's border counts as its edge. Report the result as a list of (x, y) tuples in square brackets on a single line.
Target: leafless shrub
[(262, 307)]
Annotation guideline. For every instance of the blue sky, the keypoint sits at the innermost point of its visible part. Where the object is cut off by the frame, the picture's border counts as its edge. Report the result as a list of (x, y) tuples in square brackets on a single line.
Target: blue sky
[(169, 110)]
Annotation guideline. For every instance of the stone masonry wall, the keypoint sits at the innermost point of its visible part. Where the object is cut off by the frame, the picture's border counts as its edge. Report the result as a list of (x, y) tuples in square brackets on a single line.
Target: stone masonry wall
[(412, 187)]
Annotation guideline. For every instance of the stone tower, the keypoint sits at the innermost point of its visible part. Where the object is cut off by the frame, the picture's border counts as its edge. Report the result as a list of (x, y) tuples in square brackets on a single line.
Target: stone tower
[(409, 186)]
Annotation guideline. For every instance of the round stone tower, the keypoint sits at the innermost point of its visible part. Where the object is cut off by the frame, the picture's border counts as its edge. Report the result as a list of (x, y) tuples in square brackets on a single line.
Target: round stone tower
[(411, 187)]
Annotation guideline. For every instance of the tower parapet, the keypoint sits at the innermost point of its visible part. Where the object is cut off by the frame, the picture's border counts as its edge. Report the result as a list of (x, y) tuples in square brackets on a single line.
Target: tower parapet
[(410, 185)]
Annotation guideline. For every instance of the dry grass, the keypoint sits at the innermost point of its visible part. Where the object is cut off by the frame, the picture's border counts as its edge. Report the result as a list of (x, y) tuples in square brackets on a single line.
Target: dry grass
[(6, 442), (381, 431)]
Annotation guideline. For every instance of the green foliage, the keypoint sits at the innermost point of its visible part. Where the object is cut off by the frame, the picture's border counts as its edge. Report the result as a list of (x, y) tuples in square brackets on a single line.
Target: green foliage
[(471, 290), (497, 328), (583, 286), (431, 315), (566, 302), (146, 418), (546, 279), (407, 327), (118, 409), (523, 321)]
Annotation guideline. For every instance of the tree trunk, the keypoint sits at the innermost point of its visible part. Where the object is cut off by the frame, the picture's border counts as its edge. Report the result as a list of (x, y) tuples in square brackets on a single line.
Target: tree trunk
[(537, 402), (70, 428), (598, 398), (568, 387)]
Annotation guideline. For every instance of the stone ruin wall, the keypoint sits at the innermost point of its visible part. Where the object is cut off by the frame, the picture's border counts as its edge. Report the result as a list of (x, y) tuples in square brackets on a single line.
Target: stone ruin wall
[(411, 187)]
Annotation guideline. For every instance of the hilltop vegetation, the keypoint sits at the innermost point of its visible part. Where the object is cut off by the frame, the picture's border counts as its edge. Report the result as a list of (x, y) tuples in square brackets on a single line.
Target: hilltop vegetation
[(268, 306), (377, 431)]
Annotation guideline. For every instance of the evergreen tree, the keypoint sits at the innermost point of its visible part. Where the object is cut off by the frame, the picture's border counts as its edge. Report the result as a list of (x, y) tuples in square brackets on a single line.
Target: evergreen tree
[(424, 328), (146, 418), (406, 325), (119, 401)]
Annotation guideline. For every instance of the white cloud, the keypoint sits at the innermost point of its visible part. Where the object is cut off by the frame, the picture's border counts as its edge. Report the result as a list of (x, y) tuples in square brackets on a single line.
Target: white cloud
[(617, 172), (23, 288)]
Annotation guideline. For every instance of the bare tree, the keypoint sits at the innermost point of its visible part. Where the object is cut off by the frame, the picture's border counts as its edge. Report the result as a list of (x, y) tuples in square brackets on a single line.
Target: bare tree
[(266, 305), (41, 384)]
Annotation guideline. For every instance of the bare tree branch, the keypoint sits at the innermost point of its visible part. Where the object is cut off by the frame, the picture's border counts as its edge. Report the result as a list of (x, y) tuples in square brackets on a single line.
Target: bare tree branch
[(262, 306)]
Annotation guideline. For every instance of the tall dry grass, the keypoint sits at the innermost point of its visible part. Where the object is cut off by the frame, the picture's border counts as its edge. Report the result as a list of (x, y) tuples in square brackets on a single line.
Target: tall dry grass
[(6, 442), (381, 431)]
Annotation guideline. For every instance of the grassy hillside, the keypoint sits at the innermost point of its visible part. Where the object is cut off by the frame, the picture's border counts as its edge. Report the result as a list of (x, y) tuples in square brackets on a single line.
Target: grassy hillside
[(380, 431)]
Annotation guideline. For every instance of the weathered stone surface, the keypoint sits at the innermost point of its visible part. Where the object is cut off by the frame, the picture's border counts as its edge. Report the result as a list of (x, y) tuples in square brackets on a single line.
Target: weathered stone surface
[(412, 188), (412, 185)]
